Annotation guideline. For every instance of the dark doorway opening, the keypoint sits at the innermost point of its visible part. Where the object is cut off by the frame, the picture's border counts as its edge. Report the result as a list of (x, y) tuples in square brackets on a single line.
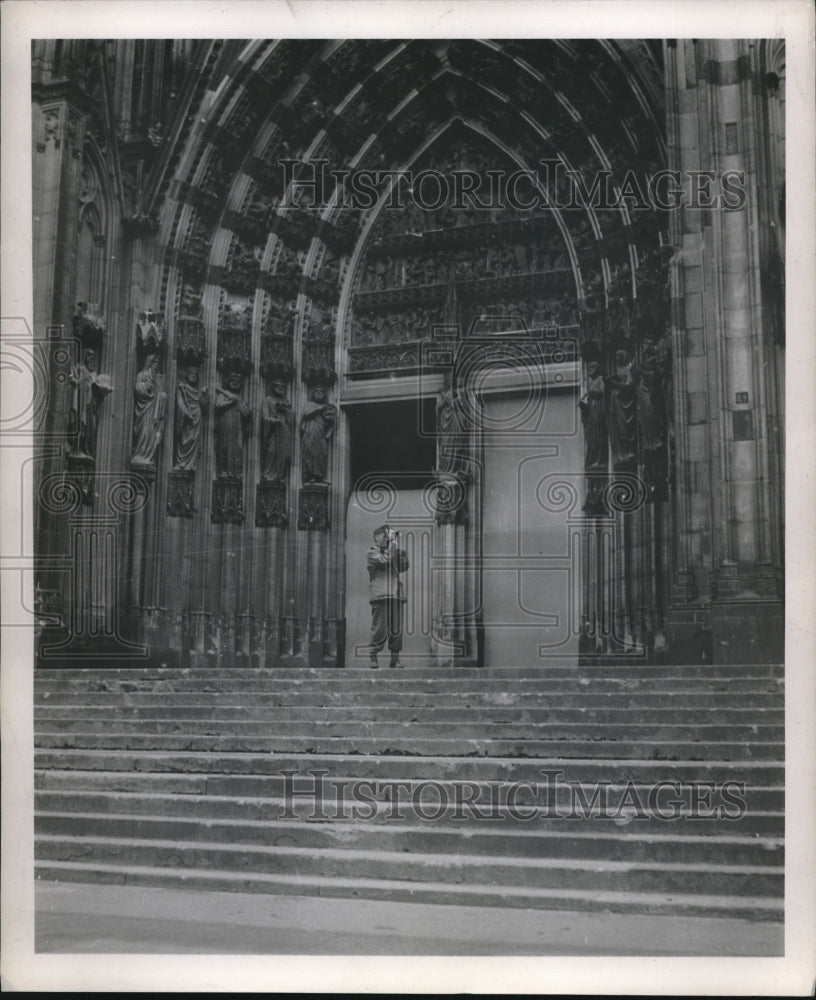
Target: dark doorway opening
[(394, 440)]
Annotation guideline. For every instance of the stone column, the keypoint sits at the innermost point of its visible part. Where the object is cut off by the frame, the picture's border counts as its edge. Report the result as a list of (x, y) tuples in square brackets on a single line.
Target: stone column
[(57, 132), (724, 359)]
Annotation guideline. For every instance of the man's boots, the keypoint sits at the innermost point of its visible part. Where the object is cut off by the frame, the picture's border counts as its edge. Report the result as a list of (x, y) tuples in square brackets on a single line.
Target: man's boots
[(395, 661), (372, 661)]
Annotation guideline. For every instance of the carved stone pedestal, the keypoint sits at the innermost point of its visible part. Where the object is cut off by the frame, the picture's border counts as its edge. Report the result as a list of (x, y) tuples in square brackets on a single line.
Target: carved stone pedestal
[(180, 493), (81, 470), (270, 505), (227, 500), (313, 509)]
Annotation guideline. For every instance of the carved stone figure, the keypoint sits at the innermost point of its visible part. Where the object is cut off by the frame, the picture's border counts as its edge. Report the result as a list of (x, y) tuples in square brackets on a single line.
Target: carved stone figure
[(448, 430), (316, 428), (651, 421), (593, 415), (232, 422), (276, 433), (191, 406), (89, 392), (622, 413), (149, 416), (649, 408)]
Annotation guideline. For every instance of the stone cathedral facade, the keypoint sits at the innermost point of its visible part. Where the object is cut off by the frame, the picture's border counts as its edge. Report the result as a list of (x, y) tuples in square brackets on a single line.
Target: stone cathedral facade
[(522, 300)]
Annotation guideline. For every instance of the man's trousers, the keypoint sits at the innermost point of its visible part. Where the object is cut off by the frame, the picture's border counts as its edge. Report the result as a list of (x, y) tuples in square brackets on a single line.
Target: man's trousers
[(386, 625)]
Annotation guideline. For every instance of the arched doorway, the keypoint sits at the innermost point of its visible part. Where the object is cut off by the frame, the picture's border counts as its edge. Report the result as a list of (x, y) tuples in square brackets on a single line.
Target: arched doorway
[(466, 310)]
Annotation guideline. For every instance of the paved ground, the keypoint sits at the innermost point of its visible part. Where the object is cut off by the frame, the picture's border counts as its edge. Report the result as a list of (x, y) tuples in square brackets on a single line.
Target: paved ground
[(129, 919)]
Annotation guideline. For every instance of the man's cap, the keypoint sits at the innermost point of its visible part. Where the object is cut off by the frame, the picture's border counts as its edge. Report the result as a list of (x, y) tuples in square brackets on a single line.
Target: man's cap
[(382, 530)]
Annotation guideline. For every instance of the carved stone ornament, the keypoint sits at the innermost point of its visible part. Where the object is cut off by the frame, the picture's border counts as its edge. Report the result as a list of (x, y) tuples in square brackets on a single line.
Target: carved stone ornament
[(190, 340), (313, 509), (276, 356), (89, 324), (450, 498), (180, 490), (318, 362), (150, 329), (270, 505), (234, 338), (227, 500), (81, 469), (597, 485)]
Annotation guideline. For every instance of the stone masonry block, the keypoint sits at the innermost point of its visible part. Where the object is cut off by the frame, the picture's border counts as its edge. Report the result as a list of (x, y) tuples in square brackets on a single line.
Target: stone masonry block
[(694, 309), (697, 407), (695, 341)]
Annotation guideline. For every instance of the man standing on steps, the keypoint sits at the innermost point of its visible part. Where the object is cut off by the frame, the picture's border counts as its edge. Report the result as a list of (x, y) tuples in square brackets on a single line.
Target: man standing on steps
[(386, 593)]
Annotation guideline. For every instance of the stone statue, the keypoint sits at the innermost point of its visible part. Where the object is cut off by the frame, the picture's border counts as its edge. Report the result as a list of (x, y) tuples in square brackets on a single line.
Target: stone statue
[(316, 427), (89, 392), (651, 420), (232, 422), (149, 416), (448, 430), (276, 434), (191, 406), (663, 362), (593, 416), (649, 408), (622, 413)]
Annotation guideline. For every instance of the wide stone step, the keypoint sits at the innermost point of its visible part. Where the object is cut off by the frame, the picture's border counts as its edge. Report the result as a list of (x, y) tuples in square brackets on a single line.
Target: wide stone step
[(560, 873), (618, 844), (751, 772), (313, 782), (544, 670), (742, 906), (570, 810), (400, 681), (405, 739), (405, 711), (426, 724), (702, 699)]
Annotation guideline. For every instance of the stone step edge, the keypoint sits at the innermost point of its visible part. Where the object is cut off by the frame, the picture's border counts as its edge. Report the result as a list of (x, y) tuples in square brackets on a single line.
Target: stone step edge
[(500, 814), (124, 714), (659, 684), (218, 801), (396, 738), (544, 670), (336, 778), (193, 707), (416, 759), (754, 908), (462, 828), (416, 860)]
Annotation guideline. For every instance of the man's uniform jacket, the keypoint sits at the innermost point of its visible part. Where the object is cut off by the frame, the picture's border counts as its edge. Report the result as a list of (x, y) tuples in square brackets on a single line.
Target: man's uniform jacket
[(384, 568)]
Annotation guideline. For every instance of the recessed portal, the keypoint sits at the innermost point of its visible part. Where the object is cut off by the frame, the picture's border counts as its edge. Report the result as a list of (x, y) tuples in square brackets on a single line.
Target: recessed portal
[(393, 454), (393, 438)]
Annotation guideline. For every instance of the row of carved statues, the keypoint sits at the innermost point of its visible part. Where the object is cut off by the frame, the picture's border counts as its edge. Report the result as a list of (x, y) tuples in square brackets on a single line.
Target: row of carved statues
[(232, 422), (476, 264), (628, 412)]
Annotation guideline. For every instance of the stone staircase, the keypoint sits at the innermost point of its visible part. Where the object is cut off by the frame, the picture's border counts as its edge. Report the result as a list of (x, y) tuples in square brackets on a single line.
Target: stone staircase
[(624, 789)]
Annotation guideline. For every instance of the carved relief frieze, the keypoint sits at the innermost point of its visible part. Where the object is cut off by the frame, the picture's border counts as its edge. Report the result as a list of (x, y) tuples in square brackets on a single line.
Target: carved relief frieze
[(242, 271)]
